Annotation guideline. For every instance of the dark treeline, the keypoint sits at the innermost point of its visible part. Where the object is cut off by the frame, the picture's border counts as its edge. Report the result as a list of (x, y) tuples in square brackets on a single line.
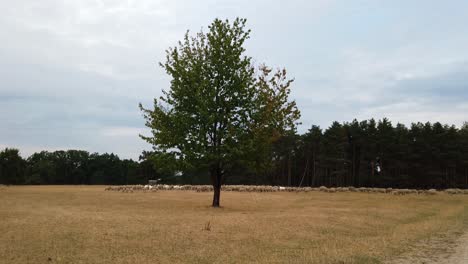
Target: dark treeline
[(367, 153), (72, 167), (371, 153)]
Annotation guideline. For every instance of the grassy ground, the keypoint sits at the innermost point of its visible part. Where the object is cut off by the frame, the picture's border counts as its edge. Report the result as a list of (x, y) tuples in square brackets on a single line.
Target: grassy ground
[(66, 224)]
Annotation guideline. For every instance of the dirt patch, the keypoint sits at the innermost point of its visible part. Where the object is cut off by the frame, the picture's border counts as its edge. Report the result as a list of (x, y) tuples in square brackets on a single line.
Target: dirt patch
[(449, 248), (461, 251)]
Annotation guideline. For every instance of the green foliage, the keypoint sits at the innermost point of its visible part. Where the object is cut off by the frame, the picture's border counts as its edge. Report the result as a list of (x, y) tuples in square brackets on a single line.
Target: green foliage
[(204, 116), (217, 112), (275, 117), (11, 166), (72, 167)]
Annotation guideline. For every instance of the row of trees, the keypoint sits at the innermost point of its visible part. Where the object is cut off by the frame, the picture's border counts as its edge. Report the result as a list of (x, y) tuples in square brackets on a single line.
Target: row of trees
[(345, 154), (365, 153), (370, 153), (72, 167)]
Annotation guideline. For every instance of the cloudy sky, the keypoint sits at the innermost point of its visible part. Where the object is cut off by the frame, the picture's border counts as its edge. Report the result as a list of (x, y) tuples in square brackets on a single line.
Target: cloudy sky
[(73, 72)]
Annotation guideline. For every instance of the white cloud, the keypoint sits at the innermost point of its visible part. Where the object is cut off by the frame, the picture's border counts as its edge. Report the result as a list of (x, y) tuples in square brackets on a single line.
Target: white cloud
[(123, 131)]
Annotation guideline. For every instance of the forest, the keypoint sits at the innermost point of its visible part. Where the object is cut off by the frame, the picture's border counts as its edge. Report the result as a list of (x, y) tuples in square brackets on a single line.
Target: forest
[(366, 153), (72, 167)]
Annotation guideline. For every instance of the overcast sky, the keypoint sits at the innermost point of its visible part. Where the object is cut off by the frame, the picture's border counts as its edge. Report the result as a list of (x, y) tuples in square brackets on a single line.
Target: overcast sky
[(73, 72)]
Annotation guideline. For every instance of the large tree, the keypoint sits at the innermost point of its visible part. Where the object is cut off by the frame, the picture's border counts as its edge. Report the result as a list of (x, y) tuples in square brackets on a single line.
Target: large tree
[(211, 115), (12, 166)]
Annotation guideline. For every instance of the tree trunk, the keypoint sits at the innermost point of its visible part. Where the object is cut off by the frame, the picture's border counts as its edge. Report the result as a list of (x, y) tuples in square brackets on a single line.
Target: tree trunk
[(216, 177), (466, 177), (357, 166), (289, 169), (313, 171), (354, 166), (216, 195), (305, 172), (447, 183)]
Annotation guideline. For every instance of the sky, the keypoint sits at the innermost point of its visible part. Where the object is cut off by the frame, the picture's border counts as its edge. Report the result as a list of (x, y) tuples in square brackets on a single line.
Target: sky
[(73, 72)]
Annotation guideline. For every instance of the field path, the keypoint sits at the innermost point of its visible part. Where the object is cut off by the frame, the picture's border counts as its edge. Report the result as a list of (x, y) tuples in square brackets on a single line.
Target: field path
[(439, 250), (460, 255)]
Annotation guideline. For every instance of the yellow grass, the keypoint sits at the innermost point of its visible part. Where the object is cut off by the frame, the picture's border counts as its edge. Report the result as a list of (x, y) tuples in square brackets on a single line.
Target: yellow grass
[(81, 224)]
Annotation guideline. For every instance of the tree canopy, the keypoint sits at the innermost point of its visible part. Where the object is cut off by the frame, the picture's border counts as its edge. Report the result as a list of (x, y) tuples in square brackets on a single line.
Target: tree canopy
[(217, 109)]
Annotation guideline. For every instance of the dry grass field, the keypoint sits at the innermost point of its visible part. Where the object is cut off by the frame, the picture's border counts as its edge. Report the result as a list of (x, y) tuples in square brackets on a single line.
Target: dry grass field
[(82, 224)]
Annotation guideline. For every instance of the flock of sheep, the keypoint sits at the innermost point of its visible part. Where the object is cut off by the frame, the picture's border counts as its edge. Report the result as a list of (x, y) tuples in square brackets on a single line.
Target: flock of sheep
[(263, 188)]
